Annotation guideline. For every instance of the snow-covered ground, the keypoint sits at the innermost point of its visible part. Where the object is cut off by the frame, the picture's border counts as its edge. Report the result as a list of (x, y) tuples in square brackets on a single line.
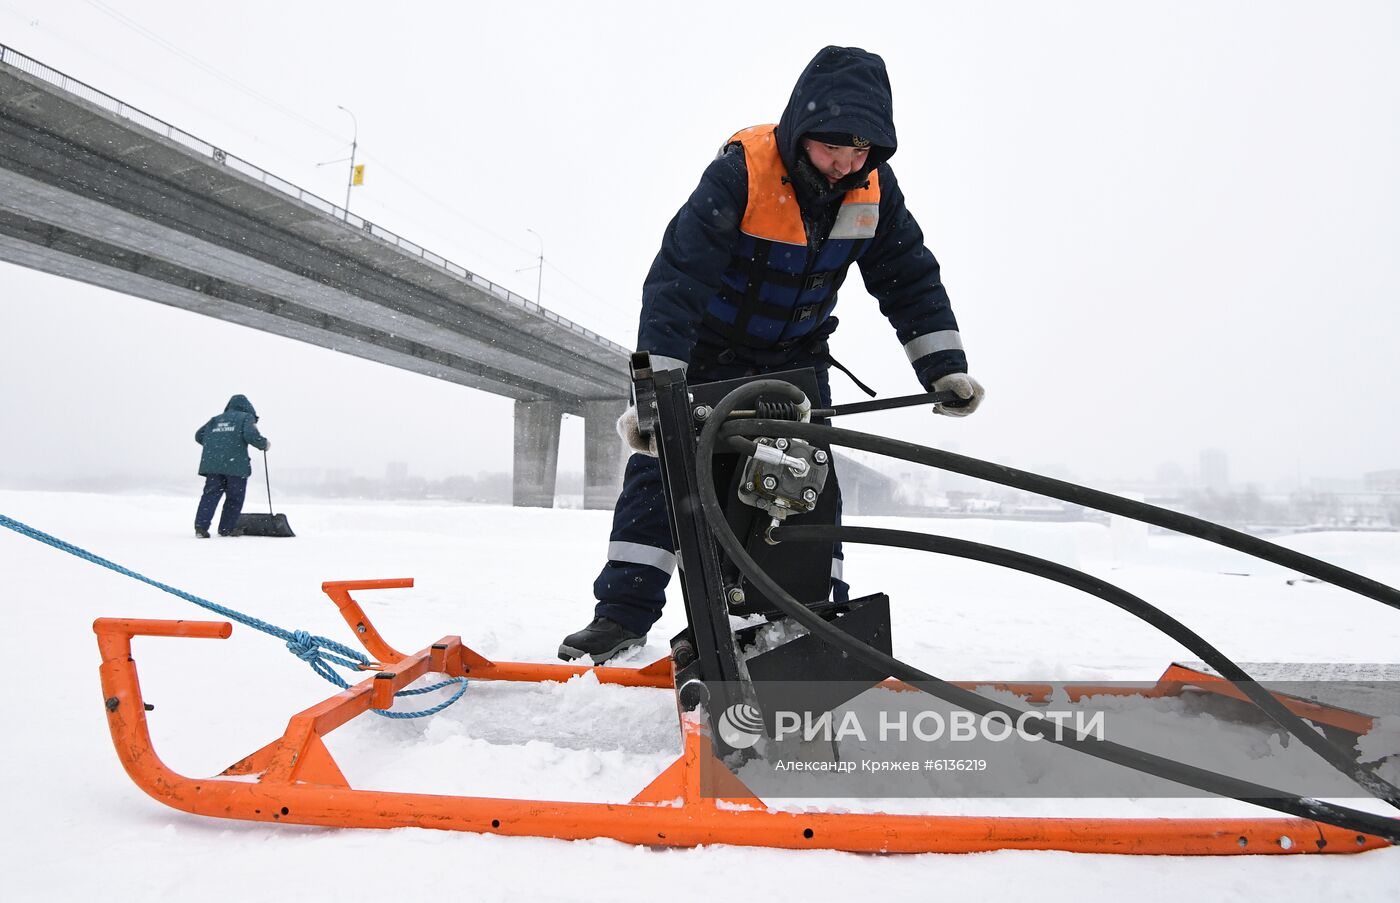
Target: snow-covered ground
[(511, 582)]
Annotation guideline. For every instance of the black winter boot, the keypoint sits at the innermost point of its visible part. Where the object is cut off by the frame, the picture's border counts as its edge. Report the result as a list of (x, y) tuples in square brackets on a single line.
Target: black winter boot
[(201, 532), (601, 640)]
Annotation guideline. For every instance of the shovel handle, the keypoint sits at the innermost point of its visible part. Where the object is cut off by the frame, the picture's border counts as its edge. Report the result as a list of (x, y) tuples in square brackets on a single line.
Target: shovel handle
[(267, 481)]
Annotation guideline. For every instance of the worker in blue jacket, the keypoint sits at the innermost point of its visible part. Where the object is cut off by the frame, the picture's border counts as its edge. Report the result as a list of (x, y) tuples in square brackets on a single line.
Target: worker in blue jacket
[(224, 464), (746, 282)]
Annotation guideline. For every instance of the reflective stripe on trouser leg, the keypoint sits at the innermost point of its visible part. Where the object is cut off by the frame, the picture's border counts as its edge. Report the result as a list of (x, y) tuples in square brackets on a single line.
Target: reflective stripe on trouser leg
[(636, 553), (631, 588)]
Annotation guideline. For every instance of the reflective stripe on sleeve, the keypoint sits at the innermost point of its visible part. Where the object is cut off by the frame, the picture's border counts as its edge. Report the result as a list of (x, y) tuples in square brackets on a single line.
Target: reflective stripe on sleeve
[(944, 340), (636, 553), (837, 568)]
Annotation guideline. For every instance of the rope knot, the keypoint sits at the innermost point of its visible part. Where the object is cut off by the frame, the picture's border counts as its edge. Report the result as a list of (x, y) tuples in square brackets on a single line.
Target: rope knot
[(304, 646)]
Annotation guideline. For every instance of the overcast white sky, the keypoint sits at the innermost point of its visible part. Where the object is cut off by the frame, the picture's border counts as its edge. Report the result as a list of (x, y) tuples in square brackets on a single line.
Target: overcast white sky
[(1164, 227)]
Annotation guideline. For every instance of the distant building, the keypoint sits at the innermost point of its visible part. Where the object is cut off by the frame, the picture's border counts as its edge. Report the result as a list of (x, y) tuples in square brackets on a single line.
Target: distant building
[(1381, 481), (1215, 470)]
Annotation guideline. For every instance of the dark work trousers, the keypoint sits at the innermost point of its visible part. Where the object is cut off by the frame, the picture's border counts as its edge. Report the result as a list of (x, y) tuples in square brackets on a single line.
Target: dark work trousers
[(232, 489), (631, 589)]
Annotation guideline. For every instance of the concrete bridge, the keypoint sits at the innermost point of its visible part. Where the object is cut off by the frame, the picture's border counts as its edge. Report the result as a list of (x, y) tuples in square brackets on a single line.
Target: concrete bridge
[(95, 190)]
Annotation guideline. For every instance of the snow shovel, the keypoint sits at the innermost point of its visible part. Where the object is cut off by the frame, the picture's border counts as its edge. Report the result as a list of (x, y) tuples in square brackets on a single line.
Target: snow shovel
[(268, 524)]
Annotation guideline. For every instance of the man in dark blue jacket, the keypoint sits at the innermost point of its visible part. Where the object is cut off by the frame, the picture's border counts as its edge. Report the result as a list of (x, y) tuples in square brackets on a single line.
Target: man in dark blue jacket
[(224, 464), (746, 281)]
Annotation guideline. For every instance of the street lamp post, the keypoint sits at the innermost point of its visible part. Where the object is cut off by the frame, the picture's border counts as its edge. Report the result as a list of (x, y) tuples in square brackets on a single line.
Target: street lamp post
[(354, 144), (539, 265)]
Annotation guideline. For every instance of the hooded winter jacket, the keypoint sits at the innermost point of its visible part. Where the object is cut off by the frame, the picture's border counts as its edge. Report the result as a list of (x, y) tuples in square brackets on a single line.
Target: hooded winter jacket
[(743, 276), (226, 439)]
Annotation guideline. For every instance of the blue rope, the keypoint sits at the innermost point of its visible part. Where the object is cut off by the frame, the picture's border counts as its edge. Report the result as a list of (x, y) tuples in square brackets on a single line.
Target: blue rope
[(317, 651)]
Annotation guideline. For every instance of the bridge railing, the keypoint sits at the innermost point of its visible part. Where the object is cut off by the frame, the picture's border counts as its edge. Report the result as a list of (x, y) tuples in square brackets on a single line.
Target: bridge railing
[(31, 66)]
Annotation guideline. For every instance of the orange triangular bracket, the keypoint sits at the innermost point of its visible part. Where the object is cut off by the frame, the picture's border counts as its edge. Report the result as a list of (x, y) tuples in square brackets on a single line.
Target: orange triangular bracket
[(659, 668), (473, 659), (697, 777), (254, 763), (317, 765)]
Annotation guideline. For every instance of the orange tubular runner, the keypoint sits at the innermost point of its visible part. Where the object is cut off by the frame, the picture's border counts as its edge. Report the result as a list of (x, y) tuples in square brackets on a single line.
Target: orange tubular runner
[(694, 801)]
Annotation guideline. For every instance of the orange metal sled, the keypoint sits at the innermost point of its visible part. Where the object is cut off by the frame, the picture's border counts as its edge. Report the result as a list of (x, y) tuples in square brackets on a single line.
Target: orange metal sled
[(694, 801)]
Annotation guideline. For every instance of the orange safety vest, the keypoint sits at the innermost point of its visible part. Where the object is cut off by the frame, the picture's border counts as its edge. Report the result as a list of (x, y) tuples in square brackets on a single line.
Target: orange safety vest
[(772, 296), (772, 212)]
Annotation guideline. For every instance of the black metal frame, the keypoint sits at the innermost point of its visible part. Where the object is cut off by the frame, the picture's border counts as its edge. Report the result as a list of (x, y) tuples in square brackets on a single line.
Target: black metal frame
[(711, 671), (706, 656)]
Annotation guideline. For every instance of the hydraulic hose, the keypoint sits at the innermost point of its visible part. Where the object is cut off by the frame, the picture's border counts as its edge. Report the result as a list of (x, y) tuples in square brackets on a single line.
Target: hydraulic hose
[(1117, 596), (1202, 779), (1075, 494)]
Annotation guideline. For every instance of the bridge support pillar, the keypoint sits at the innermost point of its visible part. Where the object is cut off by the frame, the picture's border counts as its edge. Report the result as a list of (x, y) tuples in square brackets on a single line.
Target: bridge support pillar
[(536, 453), (604, 454)]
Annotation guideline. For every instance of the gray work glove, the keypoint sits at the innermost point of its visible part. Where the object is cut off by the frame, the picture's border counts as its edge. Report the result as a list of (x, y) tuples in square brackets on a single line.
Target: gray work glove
[(963, 386), (631, 433), (267, 444)]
